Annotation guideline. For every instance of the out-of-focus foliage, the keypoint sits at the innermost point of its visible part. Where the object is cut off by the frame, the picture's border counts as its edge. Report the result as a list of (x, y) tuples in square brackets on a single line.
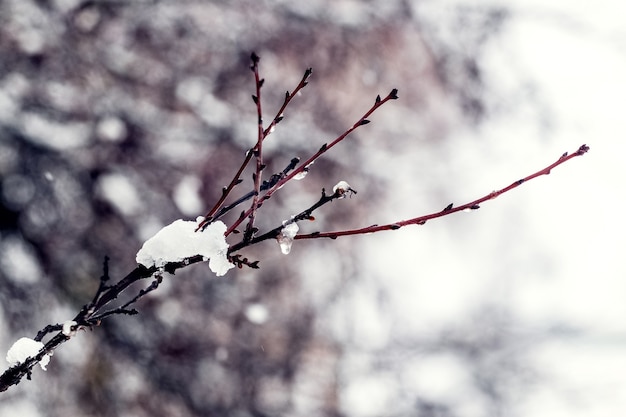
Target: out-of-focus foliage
[(117, 117)]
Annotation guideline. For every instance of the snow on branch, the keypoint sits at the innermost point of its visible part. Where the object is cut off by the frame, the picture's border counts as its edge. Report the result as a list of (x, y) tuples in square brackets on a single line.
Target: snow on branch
[(179, 241)]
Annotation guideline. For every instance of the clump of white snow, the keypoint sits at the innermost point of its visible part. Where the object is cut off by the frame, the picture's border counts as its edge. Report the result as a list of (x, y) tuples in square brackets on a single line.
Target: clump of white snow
[(179, 241), (26, 348), (343, 189), (69, 328), (285, 238)]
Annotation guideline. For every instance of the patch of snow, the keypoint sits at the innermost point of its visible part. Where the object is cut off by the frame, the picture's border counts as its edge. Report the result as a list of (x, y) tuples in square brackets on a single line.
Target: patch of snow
[(26, 348), (179, 241), (69, 328), (343, 189)]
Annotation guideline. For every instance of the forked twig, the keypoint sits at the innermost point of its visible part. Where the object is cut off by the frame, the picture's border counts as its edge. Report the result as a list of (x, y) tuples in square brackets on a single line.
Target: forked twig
[(237, 178), (363, 120), (257, 150)]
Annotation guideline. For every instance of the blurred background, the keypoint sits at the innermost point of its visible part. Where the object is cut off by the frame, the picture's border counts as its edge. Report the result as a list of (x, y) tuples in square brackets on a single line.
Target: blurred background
[(118, 117)]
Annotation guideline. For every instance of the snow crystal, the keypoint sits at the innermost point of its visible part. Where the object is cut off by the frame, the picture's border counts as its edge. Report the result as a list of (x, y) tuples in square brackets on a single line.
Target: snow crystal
[(285, 238), (26, 348), (179, 241)]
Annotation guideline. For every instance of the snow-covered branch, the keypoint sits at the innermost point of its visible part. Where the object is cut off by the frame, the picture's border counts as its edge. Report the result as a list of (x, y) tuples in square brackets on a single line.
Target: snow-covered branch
[(183, 243)]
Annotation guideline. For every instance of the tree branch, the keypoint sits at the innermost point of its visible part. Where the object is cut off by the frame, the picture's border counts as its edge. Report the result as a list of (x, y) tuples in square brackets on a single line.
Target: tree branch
[(449, 209)]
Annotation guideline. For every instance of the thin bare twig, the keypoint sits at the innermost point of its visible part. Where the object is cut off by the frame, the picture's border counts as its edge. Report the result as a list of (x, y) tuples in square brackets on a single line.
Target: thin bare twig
[(393, 95), (237, 178), (257, 150), (449, 209)]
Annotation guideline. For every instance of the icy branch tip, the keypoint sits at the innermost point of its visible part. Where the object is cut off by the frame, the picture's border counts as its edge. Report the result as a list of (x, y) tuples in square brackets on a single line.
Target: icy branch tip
[(179, 241), (343, 189), (26, 348)]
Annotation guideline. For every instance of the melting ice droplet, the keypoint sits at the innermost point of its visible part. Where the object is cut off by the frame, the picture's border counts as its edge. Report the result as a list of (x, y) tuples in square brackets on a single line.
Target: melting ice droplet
[(285, 238), (26, 348), (300, 175)]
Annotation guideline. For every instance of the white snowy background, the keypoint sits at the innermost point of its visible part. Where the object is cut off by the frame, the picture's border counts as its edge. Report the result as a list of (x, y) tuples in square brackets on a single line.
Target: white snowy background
[(543, 262), (549, 253)]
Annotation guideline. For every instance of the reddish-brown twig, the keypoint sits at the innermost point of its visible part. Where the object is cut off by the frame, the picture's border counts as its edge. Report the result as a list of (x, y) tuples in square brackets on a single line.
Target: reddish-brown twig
[(257, 150), (449, 209), (393, 95), (277, 119)]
